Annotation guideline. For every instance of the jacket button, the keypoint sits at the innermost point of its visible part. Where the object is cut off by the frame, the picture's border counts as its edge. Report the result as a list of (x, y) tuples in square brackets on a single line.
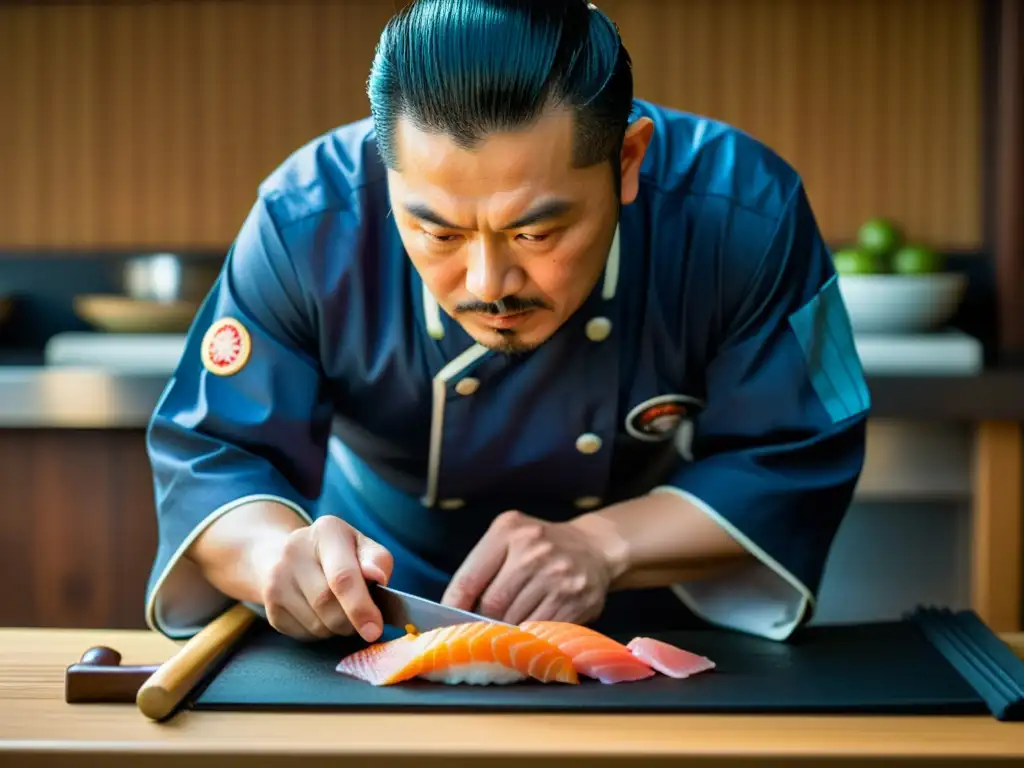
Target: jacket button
[(588, 443), (587, 502), (599, 328), (451, 503), (467, 386)]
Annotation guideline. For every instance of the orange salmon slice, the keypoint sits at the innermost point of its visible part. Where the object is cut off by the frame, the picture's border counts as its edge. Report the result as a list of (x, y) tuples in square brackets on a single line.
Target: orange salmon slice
[(475, 653), (593, 654)]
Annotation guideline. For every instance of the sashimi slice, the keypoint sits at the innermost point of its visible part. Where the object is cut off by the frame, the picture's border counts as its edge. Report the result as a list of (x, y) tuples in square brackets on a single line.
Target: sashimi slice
[(475, 653), (667, 658), (593, 654)]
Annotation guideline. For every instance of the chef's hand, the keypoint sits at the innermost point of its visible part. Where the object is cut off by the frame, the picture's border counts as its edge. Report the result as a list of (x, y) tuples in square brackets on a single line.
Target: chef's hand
[(314, 581), (524, 569)]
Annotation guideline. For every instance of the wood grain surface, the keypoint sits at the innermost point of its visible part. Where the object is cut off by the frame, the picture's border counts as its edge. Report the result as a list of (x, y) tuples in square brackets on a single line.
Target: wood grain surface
[(149, 124), (78, 527), (997, 507), (38, 728)]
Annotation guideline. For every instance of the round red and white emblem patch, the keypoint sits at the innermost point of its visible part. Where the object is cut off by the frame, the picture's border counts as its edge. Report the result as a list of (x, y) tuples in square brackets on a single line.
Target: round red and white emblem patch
[(658, 419), (226, 347)]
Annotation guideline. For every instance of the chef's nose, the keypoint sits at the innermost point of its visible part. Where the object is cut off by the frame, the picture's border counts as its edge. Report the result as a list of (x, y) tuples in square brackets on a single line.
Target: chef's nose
[(491, 273)]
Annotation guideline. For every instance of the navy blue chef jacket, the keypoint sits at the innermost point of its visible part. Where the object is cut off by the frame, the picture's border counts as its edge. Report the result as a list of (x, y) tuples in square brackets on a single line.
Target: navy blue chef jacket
[(714, 360)]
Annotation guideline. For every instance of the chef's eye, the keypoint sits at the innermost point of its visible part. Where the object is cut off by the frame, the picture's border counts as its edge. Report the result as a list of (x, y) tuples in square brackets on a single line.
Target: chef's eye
[(532, 238), (440, 238)]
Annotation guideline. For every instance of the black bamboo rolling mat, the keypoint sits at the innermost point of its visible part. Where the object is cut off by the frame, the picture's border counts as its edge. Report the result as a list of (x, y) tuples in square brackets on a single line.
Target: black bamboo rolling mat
[(933, 662)]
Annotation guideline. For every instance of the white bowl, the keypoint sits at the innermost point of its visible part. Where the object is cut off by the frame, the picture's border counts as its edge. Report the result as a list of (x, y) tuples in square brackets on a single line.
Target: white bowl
[(901, 303)]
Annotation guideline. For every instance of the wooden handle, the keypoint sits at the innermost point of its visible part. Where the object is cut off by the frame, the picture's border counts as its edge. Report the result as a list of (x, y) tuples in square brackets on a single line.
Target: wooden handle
[(165, 689)]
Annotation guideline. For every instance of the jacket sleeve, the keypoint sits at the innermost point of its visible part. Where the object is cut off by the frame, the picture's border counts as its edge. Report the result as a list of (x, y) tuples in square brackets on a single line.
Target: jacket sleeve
[(780, 445), (243, 418)]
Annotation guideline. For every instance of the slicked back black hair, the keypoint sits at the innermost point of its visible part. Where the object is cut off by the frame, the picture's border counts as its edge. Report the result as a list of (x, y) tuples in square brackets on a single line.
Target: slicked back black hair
[(466, 68)]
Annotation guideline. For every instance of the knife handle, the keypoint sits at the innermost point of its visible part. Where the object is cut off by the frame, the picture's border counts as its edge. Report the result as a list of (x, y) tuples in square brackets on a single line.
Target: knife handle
[(165, 689)]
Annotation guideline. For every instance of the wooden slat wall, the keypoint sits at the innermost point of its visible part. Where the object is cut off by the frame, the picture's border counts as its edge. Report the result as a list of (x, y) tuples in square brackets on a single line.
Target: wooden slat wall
[(149, 124), (77, 527), (876, 102)]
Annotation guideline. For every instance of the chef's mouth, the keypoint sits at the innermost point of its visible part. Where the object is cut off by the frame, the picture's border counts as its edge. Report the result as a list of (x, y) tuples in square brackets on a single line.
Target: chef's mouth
[(508, 320), (503, 316), (510, 306)]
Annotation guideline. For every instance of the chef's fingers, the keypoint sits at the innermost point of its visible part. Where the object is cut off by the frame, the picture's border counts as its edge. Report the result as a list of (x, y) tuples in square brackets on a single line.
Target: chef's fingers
[(339, 560), (572, 611), (289, 613), (479, 568), (552, 607), (525, 601), (320, 598), (289, 625), (519, 569), (374, 560)]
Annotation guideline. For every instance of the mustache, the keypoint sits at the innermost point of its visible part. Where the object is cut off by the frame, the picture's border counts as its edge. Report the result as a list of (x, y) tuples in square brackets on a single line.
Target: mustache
[(507, 305)]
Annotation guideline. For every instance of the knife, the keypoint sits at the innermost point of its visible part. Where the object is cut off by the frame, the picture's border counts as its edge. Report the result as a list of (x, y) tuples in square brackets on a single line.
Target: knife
[(400, 609)]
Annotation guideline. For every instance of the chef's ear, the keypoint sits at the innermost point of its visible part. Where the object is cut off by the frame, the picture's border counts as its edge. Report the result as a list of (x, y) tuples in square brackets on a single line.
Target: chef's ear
[(634, 147)]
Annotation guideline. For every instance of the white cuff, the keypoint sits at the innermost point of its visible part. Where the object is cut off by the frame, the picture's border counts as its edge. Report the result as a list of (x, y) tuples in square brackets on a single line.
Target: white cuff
[(761, 598), (182, 601)]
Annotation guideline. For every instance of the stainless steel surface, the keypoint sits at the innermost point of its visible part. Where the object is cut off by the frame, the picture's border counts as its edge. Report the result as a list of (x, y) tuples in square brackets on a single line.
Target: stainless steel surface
[(399, 608), (167, 277), (41, 397), (157, 353)]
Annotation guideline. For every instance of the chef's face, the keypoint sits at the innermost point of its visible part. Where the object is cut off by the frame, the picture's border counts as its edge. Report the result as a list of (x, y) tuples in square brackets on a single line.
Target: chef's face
[(508, 236)]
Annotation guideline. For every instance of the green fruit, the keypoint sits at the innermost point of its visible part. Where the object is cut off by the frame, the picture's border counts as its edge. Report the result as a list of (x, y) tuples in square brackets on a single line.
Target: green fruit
[(917, 260), (879, 236), (856, 261)]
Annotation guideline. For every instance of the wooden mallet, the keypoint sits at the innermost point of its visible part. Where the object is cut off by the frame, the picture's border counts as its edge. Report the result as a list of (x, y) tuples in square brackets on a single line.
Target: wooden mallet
[(157, 690)]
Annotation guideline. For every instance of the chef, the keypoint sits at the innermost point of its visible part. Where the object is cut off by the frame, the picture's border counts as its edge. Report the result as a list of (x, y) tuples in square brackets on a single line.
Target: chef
[(519, 342)]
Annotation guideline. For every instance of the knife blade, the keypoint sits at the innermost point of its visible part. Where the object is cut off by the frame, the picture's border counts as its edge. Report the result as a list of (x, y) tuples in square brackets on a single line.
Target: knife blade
[(400, 608)]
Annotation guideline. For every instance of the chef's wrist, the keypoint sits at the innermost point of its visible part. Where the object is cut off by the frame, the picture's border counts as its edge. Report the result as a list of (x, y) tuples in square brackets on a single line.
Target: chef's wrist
[(606, 539), (238, 550)]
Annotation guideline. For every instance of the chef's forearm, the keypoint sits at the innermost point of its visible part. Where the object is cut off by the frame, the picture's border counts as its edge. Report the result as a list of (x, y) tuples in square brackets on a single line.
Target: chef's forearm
[(230, 552), (659, 540)]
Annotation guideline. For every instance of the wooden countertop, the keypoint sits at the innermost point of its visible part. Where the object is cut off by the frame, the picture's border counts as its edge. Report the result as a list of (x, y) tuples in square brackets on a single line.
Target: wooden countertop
[(38, 729)]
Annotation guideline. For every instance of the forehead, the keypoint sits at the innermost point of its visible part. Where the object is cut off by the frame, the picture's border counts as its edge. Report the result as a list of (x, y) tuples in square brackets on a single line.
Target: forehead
[(535, 158)]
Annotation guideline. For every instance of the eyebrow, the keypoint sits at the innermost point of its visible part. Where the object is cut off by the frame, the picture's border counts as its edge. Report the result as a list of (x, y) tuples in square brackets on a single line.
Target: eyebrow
[(549, 209), (423, 211)]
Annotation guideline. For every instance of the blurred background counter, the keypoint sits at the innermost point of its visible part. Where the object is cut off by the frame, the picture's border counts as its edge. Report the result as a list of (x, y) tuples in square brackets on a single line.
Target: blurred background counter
[(135, 134)]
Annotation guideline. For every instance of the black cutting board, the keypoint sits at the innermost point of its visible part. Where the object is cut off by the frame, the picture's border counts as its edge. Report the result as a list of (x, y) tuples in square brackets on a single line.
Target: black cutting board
[(883, 668)]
